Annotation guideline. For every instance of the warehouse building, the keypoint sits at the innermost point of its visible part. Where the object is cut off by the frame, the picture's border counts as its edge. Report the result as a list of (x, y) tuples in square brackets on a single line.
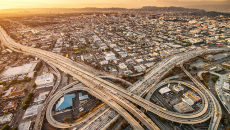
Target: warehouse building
[(6, 118), (24, 125), (164, 90), (189, 101), (83, 97), (178, 88), (46, 80), (41, 97), (65, 102), (20, 71), (11, 106), (183, 107), (32, 111), (216, 57)]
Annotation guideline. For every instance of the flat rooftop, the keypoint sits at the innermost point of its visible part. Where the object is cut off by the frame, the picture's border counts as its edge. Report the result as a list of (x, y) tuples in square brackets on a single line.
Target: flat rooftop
[(41, 97), (26, 68), (24, 125), (31, 111)]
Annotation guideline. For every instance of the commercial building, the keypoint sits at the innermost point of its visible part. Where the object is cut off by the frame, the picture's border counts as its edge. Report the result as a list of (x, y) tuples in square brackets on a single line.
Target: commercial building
[(109, 55), (32, 111), (216, 57), (41, 97), (122, 66), (24, 125), (226, 86), (11, 106), (164, 90), (65, 102), (183, 107), (83, 97), (178, 88), (6, 118), (18, 71), (192, 95), (7, 92), (189, 101), (15, 94), (45, 80)]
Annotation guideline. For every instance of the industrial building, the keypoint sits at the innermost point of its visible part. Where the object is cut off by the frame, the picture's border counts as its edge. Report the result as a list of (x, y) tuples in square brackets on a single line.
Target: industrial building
[(32, 111), (83, 97), (10, 106), (65, 102), (41, 97), (178, 88), (46, 80), (183, 107), (226, 86), (14, 72), (216, 57), (194, 96), (15, 94), (24, 125), (6, 118), (189, 101), (164, 90)]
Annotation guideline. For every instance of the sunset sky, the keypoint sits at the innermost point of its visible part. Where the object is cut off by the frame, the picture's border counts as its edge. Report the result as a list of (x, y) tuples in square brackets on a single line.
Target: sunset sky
[(7, 4)]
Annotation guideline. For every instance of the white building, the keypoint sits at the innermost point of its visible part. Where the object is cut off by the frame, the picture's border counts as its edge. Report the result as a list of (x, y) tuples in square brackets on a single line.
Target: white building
[(20, 70), (122, 66), (178, 88), (189, 101), (45, 80), (41, 97), (225, 86), (164, 90), (109, 56), (6, 118), (24, 125), (183, 107), (32, 111), (104, 62)]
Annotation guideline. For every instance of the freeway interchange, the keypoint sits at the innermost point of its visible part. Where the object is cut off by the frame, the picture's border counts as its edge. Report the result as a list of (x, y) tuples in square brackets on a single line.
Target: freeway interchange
[(122, 100)]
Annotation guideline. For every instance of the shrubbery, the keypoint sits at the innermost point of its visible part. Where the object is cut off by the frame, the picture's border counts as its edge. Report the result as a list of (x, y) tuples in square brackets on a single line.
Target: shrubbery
[(25, 106), (39, 65), (34, 85), (5, 127)]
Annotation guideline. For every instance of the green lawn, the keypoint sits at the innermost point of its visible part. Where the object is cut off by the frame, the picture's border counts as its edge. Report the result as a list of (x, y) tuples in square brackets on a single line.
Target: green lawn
[(79, 49)]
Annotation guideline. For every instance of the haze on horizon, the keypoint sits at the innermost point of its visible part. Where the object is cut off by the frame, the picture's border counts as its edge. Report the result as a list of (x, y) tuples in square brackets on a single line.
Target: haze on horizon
[(9, 4)]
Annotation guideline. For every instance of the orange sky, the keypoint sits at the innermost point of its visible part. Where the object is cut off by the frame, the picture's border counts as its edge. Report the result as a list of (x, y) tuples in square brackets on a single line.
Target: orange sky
[(6, 4)]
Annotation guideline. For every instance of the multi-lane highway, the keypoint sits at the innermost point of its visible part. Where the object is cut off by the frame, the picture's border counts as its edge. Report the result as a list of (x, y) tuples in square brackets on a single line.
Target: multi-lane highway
[(116, 97)]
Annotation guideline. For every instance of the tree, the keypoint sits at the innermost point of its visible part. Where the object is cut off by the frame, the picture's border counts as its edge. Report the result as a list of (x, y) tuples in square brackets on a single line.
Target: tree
[(124, 124), (135, 78), (34, 85), (194, 67), (15, 128), (14, 81), (5, 127), (67, 119), (25, 90), (162, 119), (81, 114), (6, 112), (27, 101), (25, 106), (35, 73), (30, 95)]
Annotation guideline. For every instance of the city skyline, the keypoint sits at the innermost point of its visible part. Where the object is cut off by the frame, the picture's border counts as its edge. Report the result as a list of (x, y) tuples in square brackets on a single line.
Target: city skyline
[(10, 4)]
